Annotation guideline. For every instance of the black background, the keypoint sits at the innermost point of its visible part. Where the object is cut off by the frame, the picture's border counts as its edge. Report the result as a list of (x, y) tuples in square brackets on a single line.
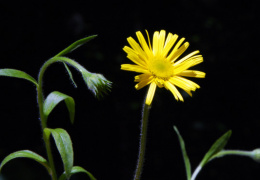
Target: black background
[(105, 134)]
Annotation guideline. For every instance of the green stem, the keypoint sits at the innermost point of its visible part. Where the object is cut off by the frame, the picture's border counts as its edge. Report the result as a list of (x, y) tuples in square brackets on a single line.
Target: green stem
[(221, 154), (43, 119), (140, 162), (40, 99), (232, 152)]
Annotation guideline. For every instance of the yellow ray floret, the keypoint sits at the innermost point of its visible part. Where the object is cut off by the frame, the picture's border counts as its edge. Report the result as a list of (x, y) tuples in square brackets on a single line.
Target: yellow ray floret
[(159, 65)]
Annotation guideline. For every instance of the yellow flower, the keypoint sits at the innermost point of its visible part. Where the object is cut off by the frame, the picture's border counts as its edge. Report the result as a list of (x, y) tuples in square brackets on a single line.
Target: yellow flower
[(160, 65)]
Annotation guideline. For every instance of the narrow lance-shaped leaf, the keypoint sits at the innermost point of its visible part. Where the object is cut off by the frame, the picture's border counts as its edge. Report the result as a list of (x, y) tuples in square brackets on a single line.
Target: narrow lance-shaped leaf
[(25, 154), (54, 98), (70, 74), (75, 45), (17, 74), (77, 169), (64, 146), (184, 154), (216, 147), (72, 47)]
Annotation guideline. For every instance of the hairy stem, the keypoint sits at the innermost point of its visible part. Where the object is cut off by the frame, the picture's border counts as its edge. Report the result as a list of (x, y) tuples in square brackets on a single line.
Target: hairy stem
[(40, 99), (43, 119), (143, 135)]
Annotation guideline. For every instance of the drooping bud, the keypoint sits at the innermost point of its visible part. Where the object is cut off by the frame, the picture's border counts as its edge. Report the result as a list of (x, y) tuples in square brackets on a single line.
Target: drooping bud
[(255, 155), (97, 84)]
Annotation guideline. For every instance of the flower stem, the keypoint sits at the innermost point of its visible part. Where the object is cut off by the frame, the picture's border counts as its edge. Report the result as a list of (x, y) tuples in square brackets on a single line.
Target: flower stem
[(195, 173), (233, 152), (143, 134), (221, 154), (43, 119), (40, 99)]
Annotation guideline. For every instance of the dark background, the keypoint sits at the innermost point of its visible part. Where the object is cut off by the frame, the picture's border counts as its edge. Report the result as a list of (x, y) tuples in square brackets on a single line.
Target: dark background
[(106, 133)]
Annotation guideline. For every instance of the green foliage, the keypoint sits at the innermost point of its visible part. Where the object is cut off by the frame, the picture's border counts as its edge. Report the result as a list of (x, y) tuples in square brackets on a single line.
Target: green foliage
[(75, 45), (64, 146), (17, 74), (54, 98), (184, 154), (97, 83), (71, 48), (255, 155), (25, 154), (77, 169), (216, 147), (213, 152), (70, 75)]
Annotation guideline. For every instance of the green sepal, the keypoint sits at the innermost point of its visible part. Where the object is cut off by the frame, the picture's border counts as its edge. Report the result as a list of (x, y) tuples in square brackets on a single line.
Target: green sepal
[(184, 154), (75, 45), (64, 146), (216, 147), (77, 169), (54, 98), (17, 74), (26, 154)]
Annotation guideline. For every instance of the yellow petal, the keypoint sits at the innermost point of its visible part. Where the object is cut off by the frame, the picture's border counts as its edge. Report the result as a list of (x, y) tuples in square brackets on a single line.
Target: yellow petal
[(186, 57), (150, 94), (192, 61), (129, 50), (143, 43), (155, 42), (179, 52), (171, 39), (137, 47), (182, 84), (190, 84), (173, 90), (197, 60), (161, 41), (142, 77), (183, 66), (186, 87), (148, 37), (135, 68), (137, 60), (193, 73), (172, 54), (143, 83)]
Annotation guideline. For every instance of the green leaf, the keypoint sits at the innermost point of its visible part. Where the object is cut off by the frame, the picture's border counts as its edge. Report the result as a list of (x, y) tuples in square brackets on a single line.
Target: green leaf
[(70, 74), (75, 45), (71, 48), (216, 147), (54, 98), (25, 154), (17, 74), (77, 169), (64, 146), (184, 154)]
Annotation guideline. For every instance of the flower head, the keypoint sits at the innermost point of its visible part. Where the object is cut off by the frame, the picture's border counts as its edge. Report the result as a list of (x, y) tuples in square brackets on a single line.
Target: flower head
[(159, 64), (97, 83)]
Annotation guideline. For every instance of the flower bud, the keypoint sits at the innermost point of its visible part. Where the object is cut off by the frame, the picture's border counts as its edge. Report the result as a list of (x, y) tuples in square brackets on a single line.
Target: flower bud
[(97, 84), (256, 155)]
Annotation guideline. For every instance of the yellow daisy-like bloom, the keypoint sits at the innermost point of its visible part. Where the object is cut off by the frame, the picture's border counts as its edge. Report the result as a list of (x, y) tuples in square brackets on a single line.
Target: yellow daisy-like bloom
[(160, 66)]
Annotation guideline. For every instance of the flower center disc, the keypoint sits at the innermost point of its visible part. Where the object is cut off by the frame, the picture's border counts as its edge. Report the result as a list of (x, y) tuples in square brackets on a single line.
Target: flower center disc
[(161, 68)]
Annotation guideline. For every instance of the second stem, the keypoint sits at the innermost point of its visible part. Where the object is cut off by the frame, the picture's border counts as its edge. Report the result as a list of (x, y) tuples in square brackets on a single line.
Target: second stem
[(139, 166)]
